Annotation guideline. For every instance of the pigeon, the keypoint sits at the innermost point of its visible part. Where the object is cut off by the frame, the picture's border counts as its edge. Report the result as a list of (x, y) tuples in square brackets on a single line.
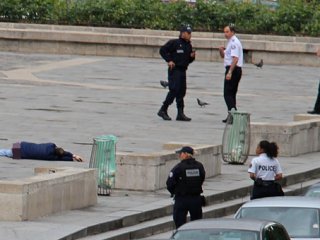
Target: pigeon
[(164, 84), (201, 103), (260, 64)]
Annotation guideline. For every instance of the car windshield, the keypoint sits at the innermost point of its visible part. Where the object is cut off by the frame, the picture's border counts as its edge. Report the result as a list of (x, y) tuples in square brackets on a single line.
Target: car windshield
[(299, 222), (313, 192), (215, 234)]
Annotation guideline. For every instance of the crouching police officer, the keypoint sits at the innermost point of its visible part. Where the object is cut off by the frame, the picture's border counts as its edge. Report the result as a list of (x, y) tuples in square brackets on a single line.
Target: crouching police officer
[(185, 185)]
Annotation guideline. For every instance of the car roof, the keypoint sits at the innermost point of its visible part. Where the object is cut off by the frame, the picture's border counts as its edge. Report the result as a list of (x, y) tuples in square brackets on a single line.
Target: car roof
[(286, 201), (227, 223)]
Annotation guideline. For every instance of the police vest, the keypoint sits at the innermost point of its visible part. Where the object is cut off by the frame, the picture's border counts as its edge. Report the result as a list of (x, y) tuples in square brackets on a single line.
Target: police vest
[(190, 182)]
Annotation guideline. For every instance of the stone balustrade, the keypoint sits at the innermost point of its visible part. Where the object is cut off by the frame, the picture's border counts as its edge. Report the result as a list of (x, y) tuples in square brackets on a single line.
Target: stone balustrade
[(51, 190)]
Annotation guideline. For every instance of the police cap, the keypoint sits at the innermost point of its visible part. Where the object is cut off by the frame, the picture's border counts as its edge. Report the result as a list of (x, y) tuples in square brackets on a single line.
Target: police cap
[(186, 28), (186, 149)]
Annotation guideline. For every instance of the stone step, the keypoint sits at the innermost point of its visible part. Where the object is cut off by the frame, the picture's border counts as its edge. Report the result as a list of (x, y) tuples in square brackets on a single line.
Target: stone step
[(165, 224), (156, 220)]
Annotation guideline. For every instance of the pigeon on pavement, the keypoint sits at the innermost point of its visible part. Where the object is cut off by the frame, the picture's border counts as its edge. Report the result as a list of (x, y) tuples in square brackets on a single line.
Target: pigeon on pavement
[(201, 103), (259, 64)]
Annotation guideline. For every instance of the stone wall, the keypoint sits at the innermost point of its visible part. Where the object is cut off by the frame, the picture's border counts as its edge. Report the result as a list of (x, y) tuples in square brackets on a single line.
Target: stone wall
[(52, 190), (293, 138), (149, 172), (37, 38)]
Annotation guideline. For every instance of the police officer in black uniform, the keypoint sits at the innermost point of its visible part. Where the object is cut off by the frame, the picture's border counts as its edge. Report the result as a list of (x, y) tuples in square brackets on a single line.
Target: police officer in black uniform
[(316, 109), (185, 185), (178, 54)]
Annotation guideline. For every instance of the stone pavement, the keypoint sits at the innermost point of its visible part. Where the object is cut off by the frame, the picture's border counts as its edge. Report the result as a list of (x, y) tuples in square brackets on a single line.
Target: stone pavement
[(71, 99)]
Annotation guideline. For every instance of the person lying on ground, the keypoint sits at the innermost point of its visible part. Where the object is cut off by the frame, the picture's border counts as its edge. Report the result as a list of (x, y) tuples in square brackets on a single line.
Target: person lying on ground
[(39, 151)]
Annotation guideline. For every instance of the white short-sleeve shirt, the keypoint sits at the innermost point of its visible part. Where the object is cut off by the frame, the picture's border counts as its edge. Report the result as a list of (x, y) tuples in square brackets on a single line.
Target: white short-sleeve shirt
[(265, 167), (233, 49)]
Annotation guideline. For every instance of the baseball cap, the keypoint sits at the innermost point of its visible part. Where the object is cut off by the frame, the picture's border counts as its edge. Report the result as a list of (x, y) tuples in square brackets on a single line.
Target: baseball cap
[(186, 28), (186, 149)]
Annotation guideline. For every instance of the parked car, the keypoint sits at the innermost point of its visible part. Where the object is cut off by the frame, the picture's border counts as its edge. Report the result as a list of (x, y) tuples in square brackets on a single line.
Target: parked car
[(313, 191), (231, 229), (299, 215)]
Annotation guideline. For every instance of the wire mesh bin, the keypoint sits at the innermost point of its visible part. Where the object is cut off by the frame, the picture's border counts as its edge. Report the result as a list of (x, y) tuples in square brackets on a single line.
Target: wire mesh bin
[(236, 138), (103, 158)]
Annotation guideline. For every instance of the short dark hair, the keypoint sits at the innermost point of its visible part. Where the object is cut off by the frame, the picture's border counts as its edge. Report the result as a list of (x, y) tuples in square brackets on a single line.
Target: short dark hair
[(271, 149), (59, 151), (231, 27)]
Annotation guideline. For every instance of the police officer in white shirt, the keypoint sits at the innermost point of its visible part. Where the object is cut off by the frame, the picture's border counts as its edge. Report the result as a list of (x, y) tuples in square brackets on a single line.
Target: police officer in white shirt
[(233, 62), (265, 170)]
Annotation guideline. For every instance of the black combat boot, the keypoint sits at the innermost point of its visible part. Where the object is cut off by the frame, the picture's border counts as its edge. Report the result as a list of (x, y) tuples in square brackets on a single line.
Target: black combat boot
[(163, 113), (181, 116)]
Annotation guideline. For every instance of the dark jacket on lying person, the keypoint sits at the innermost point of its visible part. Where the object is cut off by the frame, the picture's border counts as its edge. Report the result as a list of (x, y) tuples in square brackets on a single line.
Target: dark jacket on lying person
[(43, 151), (39, 151)]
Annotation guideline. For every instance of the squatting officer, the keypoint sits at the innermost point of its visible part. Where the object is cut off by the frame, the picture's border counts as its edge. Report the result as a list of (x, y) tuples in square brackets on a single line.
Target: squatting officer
[(185, 185), (178, 54)]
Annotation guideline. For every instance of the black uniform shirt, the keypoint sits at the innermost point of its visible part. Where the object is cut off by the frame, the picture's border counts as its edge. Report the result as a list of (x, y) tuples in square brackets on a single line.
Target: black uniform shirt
[(186, 178), (178, 51)]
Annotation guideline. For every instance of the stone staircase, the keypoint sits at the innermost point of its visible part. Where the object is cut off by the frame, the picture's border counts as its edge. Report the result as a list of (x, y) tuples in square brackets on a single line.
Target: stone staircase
[(159, 220)]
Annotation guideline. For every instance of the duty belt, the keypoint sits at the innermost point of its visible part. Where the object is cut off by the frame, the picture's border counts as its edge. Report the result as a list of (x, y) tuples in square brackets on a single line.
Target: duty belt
[(264, 183)]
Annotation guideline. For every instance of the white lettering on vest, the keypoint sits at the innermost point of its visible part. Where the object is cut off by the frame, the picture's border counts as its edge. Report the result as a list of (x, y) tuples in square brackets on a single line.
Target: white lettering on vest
[(192, 173)]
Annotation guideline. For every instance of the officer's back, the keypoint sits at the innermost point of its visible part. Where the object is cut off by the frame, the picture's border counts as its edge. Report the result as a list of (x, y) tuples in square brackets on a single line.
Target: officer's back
[(185, 184)]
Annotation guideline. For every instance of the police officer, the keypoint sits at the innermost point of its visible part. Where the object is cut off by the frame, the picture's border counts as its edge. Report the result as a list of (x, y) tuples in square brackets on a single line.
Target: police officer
[(316, 109), (233, 61), (178, 54), (185, 185), (265, 170)]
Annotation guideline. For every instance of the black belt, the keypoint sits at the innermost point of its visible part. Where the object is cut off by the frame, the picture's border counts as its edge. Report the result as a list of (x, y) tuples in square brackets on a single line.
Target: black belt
[(188, 195), (264, 183), (180, 68), (228, 66)]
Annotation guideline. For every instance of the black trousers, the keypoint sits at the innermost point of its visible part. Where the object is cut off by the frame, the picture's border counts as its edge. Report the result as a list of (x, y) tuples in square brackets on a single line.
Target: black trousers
[(177, 87), (317, 104), (231, 87), (271, 190), (185, 204)]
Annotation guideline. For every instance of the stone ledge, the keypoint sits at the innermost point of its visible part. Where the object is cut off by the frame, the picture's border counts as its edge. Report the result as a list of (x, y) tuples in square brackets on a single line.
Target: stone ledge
[(131, 31), (145, 43), (136, 38), (305, 116), (51, 190), (149, 172), (293, 138)]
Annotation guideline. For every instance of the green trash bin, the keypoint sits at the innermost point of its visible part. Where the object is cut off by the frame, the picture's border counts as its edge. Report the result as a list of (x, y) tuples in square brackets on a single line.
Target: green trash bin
[(236, 138), (103, 158)]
